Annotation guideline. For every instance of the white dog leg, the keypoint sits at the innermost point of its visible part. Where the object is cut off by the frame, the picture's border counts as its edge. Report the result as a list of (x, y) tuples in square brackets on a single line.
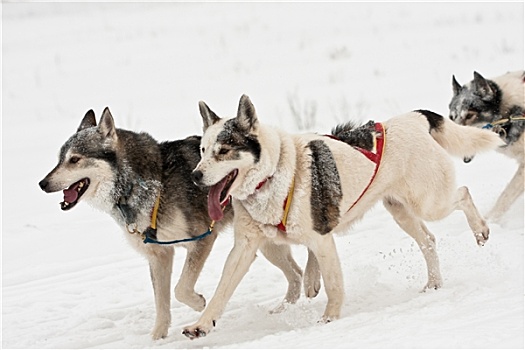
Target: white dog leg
[(512, 191), (475, 220), (197, 254), (424, 238), (312, 276), (281, 257), (237, 264), (161, 264), (325, 250)]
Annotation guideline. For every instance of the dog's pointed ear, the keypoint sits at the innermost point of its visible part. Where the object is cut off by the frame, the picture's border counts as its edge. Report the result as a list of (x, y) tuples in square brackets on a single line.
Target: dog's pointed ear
[(246, 116), (482, 87), (88, 121), (208, 116), (106, 125), (456, 87)]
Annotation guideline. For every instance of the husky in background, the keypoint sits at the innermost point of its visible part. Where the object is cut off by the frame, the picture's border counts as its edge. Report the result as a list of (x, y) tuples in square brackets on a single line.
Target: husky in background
[(299, 189), (130, 176), (497, 104)]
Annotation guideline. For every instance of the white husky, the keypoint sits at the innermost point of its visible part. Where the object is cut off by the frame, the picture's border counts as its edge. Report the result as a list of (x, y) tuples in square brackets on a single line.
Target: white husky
[(299, 189)]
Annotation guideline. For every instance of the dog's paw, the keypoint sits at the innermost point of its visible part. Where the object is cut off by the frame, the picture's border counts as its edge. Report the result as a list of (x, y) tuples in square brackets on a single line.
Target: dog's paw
[(196, 301), (283, 305), (159, 332), (327, 319), (312, 286), (198, 330), (483, 236), (432, 285)]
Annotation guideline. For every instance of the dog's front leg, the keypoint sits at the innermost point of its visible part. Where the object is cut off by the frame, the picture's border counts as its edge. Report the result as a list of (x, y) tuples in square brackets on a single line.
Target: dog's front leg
[(197, 254), (160, 264), (323, 246), (237, 264)]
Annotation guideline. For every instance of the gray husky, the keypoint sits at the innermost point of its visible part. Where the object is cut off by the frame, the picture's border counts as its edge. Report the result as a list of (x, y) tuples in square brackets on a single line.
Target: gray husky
[(302, 188), (497, 104), (146, 187)]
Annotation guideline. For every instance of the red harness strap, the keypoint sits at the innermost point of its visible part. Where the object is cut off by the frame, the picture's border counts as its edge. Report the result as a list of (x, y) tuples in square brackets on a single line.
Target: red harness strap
[(380, 141), (379, 146)]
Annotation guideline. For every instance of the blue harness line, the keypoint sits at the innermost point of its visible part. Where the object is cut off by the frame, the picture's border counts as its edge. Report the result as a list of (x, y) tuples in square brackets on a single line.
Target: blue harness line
[(150, 236), (510, 119)]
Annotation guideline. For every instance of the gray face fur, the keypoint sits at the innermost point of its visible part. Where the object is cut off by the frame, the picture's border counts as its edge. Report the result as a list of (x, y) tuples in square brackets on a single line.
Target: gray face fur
[(476, 103), (123, 168)]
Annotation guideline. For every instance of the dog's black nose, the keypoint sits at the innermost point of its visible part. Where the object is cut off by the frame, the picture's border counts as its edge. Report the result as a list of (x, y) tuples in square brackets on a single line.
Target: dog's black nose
[(196, 177), (43, 184)]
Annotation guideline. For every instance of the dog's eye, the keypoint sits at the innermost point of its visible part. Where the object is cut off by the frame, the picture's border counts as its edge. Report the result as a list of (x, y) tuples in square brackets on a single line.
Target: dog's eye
[(74, 160), (202, 150), (470, 115), (223, 151)]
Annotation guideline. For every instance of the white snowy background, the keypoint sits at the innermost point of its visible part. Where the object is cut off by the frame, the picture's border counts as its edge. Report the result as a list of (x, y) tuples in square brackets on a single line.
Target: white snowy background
[(70, 280)]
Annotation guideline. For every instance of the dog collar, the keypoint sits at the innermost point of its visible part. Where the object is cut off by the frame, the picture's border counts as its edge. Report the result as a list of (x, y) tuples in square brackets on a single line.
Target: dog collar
[(261, 184)]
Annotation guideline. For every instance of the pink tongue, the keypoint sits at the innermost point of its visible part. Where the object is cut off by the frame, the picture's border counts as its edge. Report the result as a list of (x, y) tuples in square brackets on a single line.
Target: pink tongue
[(71, 194), (214, 200)]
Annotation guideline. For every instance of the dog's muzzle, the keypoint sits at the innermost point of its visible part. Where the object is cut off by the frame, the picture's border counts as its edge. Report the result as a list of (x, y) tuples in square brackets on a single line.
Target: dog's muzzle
[(196, 177)]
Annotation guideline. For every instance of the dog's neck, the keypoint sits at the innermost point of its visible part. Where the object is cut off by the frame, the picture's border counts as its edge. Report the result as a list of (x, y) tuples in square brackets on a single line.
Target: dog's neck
[(512, 93), (275, 170)]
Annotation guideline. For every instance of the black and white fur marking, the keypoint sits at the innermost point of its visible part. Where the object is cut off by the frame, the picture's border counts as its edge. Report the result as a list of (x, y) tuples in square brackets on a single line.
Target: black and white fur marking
[(122, 173), (415, 181), (483, 102)]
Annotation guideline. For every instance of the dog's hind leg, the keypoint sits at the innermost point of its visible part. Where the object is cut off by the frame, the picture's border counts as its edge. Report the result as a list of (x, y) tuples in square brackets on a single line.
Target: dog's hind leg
[(476, 222), (161, 264), (312, 276), (512, 191), (281, 256), (197, 254), (424, 238)]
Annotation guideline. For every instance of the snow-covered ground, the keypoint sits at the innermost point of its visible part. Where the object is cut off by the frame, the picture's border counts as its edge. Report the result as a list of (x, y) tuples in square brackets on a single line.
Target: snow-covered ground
[(69, 279)]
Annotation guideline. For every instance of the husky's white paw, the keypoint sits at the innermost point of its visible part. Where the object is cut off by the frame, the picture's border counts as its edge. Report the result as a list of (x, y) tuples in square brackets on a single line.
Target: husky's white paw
[(483, 236), (327, 319), (198, 330), (196, 301), (159, 331), (434, 284), (312, 284)]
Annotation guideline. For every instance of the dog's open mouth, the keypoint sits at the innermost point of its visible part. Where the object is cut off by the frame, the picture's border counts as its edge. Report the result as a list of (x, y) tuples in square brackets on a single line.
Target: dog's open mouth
[(73, 193), (219, 194)]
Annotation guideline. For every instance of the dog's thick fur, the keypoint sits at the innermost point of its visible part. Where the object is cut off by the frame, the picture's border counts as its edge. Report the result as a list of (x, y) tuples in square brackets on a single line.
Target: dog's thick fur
[(122, 173), (415, 181), (484, 101)]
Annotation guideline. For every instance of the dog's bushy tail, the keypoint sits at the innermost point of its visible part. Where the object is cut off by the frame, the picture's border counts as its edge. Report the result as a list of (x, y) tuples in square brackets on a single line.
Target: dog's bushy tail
[(355, 135), (458, 140)]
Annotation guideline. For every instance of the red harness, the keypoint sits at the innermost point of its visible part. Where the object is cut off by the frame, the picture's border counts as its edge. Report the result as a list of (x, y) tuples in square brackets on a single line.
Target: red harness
[(379, 139), (375, 156)]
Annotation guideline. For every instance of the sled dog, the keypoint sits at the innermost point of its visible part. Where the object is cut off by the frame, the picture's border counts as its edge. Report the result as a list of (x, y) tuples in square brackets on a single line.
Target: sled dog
[(301, 188), (497, 104), (131, 177)]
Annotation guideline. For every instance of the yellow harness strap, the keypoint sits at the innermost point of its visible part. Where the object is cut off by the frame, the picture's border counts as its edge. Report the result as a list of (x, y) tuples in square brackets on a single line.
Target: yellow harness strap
[(154, 213)]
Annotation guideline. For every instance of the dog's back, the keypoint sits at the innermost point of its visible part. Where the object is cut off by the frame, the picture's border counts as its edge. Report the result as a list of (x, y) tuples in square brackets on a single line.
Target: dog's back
[(513, 91)]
